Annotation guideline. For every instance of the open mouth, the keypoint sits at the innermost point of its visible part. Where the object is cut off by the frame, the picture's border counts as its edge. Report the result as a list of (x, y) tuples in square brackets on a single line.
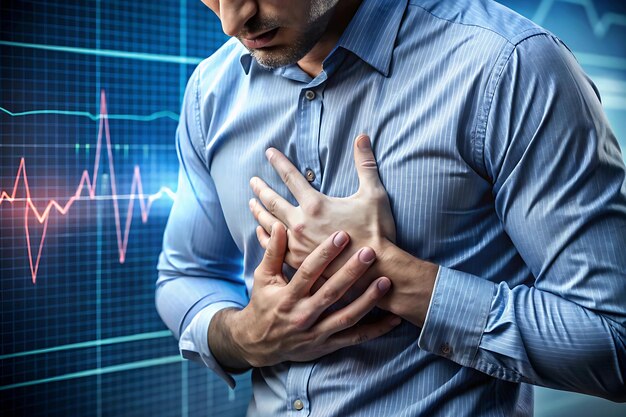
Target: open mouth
[(261, 40)]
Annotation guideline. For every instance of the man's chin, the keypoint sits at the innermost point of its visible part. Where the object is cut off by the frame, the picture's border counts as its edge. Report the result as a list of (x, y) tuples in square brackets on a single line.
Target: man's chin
[(275, 57)]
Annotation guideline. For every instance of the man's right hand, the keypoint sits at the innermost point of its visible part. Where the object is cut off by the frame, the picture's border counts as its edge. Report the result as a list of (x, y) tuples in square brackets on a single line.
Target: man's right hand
[(284, 321)]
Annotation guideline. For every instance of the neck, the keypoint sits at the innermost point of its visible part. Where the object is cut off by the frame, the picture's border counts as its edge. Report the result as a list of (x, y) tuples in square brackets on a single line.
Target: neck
[(311, 63)]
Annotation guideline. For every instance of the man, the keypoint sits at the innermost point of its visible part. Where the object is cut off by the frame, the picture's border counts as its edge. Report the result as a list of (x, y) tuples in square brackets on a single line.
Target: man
[(492, 218)]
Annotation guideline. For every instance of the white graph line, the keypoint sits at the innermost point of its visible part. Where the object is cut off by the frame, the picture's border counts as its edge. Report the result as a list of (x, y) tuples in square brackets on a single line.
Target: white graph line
[(600, 24)]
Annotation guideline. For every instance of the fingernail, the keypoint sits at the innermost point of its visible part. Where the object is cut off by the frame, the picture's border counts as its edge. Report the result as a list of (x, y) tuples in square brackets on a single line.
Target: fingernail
[(340, 239), (383, 284), (367, 255), (364, 142), (251, 202), (269, 153), (395, 321)]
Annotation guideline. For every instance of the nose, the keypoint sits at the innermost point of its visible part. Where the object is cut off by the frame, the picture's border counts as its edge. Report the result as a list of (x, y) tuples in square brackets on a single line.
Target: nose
[(235, 13)]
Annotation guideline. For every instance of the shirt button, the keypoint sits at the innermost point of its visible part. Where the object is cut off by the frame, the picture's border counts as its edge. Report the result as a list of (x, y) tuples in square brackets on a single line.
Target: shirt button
[(298, 405), (310, 95), (445, 349), (310, 175)]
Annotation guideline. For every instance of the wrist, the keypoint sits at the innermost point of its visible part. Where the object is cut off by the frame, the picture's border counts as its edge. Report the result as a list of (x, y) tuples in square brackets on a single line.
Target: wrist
[(226, 338), (412, 282)]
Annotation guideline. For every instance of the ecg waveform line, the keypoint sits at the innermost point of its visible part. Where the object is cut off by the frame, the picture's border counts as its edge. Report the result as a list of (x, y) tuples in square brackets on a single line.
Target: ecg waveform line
[(134, 117), (90, 183), (600, 24)]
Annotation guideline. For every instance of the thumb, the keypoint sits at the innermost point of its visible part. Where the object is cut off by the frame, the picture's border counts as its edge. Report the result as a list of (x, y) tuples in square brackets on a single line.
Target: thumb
[(365, 163), (272, 262)]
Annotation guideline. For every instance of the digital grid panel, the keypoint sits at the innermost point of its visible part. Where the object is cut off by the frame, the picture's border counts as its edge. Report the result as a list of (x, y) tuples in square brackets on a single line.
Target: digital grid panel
[(78, 328), (90, 99)]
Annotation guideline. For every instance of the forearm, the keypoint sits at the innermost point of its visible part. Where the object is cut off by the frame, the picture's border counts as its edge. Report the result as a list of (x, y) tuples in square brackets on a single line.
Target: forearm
[(223, 344), (525, 334), (521, 334), (548, 340)]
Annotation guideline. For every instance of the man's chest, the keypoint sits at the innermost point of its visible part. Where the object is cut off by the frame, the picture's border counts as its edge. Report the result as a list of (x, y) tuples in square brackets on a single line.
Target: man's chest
[(424, 163)]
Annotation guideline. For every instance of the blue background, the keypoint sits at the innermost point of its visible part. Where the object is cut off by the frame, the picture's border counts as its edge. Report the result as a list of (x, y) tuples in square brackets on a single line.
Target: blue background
[(81, 335)]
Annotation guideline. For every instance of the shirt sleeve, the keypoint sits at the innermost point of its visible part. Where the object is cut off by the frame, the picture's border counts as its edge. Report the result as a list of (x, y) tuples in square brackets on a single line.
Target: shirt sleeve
[(558, 186), (200, 267)]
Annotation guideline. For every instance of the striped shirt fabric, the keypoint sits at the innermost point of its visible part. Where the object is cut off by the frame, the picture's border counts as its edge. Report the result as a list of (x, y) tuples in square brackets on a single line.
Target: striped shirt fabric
[(500, 166)]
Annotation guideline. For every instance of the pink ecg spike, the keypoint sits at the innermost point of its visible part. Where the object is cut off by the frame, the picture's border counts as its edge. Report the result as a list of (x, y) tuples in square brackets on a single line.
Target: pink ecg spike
[(136, 192)]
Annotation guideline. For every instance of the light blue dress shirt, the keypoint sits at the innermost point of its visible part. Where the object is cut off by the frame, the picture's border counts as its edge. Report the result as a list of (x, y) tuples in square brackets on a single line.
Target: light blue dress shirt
[(500, 166)]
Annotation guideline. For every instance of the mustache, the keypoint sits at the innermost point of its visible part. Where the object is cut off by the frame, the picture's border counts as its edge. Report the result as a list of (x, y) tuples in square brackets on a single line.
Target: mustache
[(258, 24)]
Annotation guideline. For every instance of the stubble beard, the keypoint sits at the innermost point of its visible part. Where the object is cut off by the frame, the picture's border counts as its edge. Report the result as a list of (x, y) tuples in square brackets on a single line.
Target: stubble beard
[(284, 55)]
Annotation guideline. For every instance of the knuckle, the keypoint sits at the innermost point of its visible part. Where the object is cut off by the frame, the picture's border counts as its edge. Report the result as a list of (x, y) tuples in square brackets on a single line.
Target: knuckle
[(298, 229), (305, 271), (299, 321), (293, 260), (361, 338), (287, 176), (330, 295), (369, 163), (272, 205), (309, 337), (324, 254), (347, 321), (313, 207)]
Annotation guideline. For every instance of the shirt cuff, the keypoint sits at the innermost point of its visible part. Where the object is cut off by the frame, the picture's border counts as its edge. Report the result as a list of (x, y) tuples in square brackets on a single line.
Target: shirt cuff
[(194, 343), (457, 315)]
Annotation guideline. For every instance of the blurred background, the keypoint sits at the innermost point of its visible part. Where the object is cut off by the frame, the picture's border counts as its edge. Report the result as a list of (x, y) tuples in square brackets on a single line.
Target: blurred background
[(85, 200)]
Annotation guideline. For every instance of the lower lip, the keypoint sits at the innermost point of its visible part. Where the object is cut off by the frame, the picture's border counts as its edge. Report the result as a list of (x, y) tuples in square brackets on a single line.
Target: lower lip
[(260, 41)]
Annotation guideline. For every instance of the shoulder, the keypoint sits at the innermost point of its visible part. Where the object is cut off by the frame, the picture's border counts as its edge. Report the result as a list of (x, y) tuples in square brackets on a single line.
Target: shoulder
[(480, 16), (215, 84)]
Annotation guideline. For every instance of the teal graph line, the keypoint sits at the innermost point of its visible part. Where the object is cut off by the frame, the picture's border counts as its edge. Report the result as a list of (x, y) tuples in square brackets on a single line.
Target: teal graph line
[(143, 56), (98, 371), (139, 118), (594, 60), (92, 343), (599, 24)]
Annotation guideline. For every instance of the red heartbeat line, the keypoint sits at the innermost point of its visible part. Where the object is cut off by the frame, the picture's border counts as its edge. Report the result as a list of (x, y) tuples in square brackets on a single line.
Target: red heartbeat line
[(90, 182)]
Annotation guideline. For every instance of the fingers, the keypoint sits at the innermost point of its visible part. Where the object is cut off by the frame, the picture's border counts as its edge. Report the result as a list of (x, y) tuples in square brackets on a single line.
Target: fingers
[(316, 263), (365, 163), (261, 215), (262, 236), (293, 179), (337, 285), (350, 315), (272, 263), (363, 333), (276, 205)]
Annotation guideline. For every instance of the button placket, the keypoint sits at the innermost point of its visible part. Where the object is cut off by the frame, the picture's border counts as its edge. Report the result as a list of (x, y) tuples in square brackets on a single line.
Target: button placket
[(309, 120)]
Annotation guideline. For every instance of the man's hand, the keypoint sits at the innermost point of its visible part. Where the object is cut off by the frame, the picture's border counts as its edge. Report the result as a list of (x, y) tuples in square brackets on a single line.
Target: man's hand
[(366, 215), (285, 322)]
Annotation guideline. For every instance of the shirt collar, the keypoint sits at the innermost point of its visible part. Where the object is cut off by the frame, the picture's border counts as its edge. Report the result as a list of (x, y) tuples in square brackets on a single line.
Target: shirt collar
[(372, 32), (370, 35)]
